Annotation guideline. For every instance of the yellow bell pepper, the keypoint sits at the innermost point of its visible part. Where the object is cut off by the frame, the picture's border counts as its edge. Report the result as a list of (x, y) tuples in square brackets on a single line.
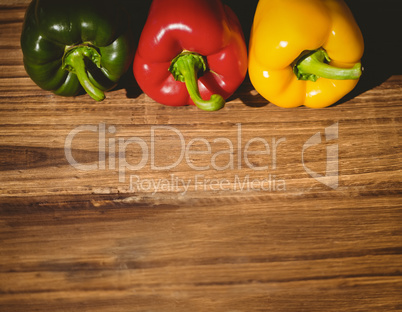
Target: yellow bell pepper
[(304, 52)]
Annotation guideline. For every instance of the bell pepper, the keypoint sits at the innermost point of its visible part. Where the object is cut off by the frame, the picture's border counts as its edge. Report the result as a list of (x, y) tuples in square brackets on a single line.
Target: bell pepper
[(190, 52), (304, 52), (76, 45)]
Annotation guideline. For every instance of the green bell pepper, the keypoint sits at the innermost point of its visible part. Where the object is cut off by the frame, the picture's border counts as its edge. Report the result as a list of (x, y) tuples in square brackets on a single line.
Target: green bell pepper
[(76, 45)]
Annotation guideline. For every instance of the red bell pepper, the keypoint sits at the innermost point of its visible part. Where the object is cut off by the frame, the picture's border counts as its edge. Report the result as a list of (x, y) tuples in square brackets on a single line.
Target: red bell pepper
[(191, 52)]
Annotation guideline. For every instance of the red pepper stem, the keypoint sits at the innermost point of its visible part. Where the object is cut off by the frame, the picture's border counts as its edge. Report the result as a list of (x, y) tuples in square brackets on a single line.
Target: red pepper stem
[(74, 61), (185, 68), (312, 65)]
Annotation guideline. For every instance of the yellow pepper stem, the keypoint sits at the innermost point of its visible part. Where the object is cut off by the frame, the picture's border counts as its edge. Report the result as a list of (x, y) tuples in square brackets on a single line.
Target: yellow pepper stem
[(312, 65)]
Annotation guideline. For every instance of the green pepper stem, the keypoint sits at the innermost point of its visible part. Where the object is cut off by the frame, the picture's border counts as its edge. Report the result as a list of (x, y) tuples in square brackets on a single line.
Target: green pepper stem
[(312, 65), (185, 68), (74, 61)]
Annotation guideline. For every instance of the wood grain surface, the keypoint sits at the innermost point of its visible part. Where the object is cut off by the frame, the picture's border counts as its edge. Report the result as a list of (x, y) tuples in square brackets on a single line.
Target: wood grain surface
[(129, 205)]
